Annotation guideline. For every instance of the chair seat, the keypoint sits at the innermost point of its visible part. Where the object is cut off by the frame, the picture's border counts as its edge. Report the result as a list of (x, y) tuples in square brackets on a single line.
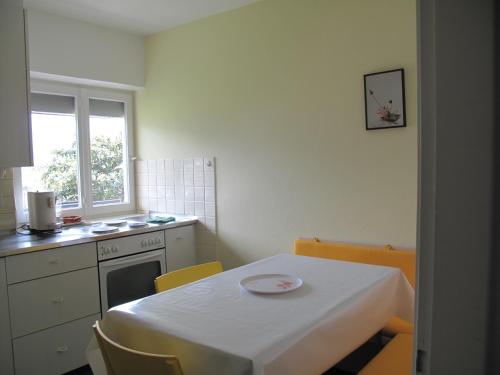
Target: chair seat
[(397, 325), (394, 359)]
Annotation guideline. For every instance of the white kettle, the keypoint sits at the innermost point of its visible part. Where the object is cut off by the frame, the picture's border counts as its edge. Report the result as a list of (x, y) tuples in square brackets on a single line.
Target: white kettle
[(42, 210)]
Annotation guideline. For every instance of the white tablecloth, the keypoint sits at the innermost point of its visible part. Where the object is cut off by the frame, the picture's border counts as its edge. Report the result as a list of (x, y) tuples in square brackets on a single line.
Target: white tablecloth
[(216, 327)]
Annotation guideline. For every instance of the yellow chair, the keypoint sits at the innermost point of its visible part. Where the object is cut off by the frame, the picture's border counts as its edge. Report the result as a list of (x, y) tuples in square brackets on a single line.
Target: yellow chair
[(120, 360), (394, 359), (378, 255), (186, 275)]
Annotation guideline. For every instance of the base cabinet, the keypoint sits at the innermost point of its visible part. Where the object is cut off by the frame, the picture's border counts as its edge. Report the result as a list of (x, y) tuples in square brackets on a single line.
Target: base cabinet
[(6, 366), (180, 247), (56, 350), (53, 299)]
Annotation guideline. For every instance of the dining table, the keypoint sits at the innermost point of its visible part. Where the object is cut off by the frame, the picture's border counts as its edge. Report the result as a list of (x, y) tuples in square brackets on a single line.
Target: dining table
[(217, 326)]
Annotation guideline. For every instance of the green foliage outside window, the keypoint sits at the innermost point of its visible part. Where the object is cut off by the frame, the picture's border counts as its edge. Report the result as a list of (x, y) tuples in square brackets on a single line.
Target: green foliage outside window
[(106, 171)]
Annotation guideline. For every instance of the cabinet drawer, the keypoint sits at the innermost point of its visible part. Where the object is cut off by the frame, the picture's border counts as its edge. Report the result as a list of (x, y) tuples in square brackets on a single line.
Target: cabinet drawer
[(50, 262), (43, 303), (54, 351)]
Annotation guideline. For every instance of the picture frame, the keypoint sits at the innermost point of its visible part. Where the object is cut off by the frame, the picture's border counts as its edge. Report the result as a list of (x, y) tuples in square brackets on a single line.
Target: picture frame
[(385, 104)]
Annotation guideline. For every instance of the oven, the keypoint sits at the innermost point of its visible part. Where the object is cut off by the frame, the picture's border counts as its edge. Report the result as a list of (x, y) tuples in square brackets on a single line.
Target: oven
[(128, 267)]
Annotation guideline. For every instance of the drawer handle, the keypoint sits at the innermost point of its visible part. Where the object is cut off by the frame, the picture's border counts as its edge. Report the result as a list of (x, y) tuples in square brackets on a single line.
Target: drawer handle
[(62, 349), (179, 237), (54, 261), (58, 299)]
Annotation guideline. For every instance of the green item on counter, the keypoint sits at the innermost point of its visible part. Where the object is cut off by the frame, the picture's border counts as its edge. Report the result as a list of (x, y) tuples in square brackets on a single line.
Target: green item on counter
[(160, 219)]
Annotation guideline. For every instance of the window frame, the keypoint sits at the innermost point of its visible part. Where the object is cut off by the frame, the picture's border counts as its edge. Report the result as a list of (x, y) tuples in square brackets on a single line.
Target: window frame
[(82, 95)]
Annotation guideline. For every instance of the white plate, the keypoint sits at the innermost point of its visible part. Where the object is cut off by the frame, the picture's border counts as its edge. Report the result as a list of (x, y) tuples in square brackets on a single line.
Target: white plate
[(104, 229), (115, 223), (271, 283), (137, 224)]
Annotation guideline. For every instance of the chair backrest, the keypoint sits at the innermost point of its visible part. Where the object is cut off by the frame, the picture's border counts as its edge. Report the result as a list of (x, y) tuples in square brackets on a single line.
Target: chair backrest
[(120, 360), (378, 255), (186, 275)]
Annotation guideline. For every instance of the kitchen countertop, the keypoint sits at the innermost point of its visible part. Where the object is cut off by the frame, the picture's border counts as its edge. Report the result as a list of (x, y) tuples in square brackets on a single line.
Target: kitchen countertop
[(15, 243)]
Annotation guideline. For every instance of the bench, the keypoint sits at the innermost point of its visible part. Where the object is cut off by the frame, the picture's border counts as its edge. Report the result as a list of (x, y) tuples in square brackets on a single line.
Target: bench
[(378, 255)]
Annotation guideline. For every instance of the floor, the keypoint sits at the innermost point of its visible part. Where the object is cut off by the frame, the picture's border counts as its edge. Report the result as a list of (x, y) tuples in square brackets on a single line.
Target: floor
[(85, 370)]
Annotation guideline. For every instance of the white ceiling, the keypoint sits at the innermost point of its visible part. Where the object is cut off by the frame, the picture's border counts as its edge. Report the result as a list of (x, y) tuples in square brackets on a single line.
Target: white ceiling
[(136, 16)]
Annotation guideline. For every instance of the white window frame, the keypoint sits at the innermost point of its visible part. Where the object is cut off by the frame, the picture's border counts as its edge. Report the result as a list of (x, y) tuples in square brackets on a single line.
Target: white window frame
[(82, 94)]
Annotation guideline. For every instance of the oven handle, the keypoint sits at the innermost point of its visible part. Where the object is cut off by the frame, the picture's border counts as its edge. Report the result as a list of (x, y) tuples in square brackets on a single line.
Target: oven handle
[(132, 258)]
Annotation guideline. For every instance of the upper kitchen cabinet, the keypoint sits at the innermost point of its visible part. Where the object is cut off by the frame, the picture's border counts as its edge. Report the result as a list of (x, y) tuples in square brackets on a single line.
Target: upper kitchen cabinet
[(15, 127)]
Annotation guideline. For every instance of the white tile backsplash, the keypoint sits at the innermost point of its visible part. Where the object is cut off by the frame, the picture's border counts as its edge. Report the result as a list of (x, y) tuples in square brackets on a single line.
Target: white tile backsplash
[(170, 193), (189, 208), (209, 209), (210, 194), (152, 166), (189, 193), (183, 187), (199, 178), (199, 194), (199, 208)]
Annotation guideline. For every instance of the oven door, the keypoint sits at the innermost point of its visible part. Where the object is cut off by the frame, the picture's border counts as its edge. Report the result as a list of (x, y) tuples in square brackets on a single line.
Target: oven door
[(129, 278)]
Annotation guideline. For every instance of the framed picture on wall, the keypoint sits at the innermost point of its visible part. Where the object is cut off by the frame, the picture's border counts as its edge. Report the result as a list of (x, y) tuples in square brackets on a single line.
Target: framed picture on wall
[(385, 100)]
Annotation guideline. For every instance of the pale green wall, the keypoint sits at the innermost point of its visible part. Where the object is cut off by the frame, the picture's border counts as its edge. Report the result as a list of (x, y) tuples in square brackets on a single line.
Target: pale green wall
[(274, 91)]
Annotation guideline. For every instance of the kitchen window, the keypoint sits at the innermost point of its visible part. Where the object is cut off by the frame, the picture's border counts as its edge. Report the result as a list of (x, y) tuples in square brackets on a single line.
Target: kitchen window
[(82, 148)]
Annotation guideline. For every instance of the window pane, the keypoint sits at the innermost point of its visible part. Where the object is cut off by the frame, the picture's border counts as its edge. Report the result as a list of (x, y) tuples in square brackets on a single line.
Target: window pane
[(54, 137), (107, 138)]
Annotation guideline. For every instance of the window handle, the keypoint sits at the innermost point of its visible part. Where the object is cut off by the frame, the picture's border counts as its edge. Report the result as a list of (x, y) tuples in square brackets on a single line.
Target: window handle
[(58, 299)]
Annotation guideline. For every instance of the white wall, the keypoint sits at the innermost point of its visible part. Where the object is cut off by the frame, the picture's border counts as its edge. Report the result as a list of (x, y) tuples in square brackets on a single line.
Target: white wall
[(67, 49), (274, 91)]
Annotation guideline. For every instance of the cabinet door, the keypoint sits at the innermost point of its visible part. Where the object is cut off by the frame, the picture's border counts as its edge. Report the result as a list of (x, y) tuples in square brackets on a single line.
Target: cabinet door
[(15, 129), (5, 345), (181, 247), (55, 350)]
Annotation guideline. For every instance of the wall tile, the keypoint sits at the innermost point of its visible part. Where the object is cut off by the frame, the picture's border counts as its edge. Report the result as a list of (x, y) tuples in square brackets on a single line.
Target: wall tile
[(170, 193), (179, 207), (179, 192), (152, 192), (189, 208), (210, 209), (161, 179), (179, 177), (189, 193), (199, 194), (171, 207), (169, 166), (175, 186), (169, 179), (152, 166), (210, 194), (178, 164), (199, 208), (162, 205), (198, 164), (188, 176), (161, 192), (152, 179), (153, 204), (160, 166), (199, 179)]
